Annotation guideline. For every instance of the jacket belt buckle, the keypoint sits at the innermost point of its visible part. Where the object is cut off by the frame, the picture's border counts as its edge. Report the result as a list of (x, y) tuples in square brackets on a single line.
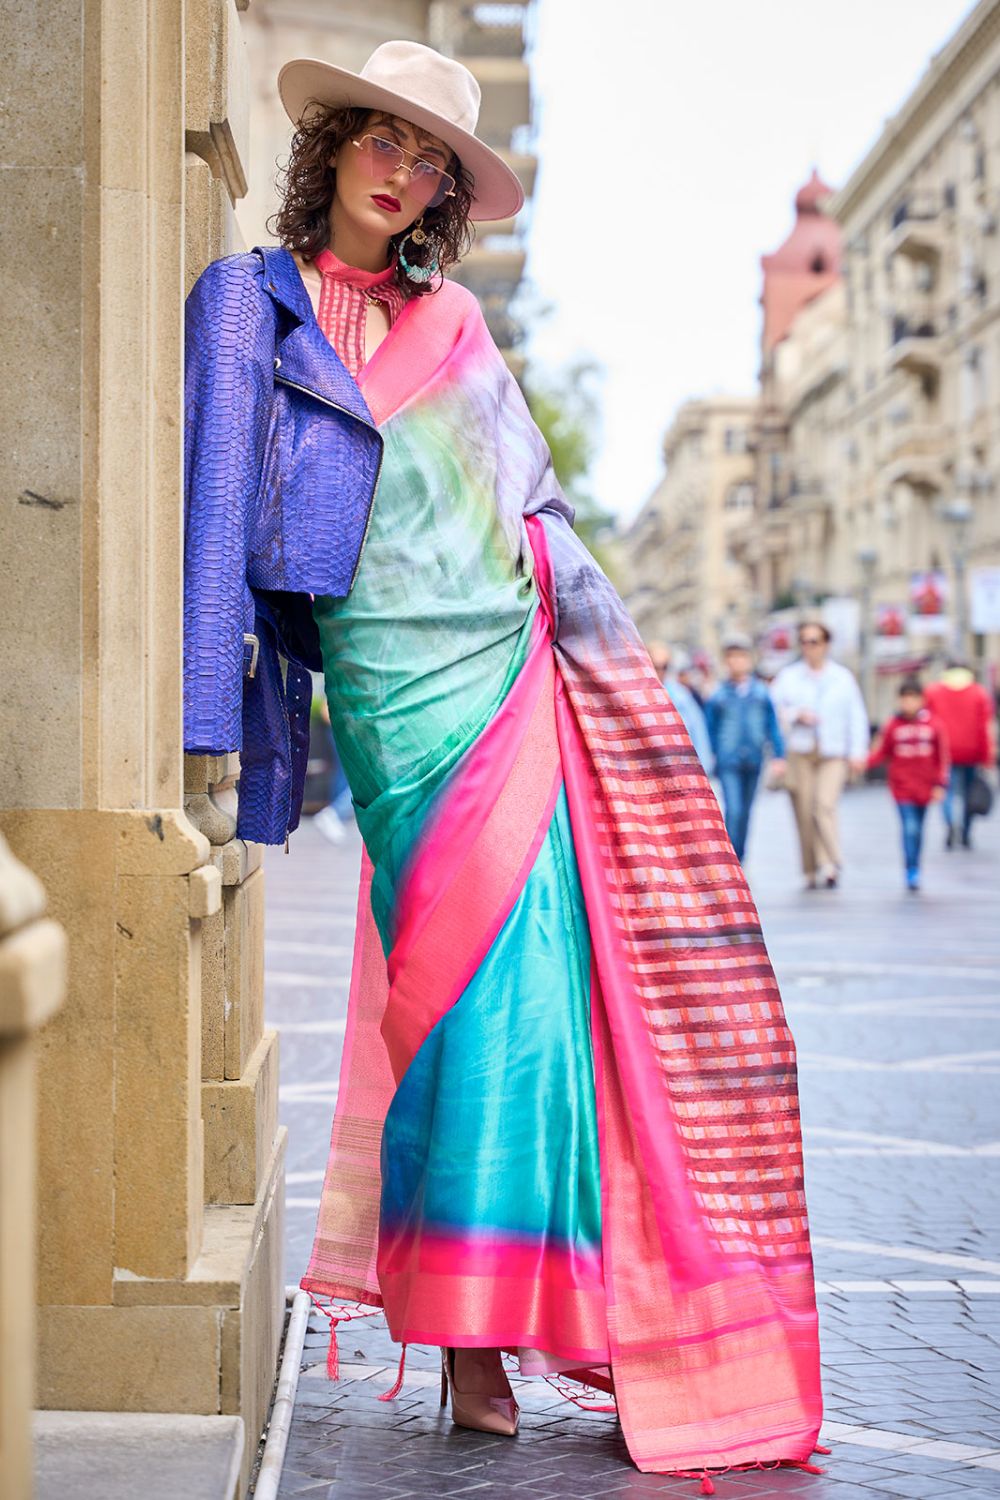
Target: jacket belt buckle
[(250, 640)]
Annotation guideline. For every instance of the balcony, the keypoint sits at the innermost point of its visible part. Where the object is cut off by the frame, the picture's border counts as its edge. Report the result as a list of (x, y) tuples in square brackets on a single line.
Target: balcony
[(506, 102), (916, 231), (921, 471), (809, 494), (490, 30), (913, 439), (492, 272), (915, 347)]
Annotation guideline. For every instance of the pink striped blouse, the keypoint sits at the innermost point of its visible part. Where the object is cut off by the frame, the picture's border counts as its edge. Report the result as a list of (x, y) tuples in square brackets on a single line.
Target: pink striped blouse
[(343, 304)]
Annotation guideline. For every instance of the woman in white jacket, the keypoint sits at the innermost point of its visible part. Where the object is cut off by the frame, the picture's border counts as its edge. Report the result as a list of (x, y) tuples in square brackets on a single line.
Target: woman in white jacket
[(825, 723)]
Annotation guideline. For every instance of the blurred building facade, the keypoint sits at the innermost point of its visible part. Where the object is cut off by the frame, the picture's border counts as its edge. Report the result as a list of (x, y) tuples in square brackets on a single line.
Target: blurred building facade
[(683, 583), (876, 437), (918, 482), (490, 39)]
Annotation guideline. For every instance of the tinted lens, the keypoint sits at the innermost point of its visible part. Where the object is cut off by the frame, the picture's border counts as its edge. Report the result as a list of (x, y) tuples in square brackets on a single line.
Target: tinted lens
[(381, 157), (429, 185)]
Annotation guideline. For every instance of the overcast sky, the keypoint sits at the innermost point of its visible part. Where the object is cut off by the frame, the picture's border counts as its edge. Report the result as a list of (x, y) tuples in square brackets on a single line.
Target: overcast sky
[(672, 139)]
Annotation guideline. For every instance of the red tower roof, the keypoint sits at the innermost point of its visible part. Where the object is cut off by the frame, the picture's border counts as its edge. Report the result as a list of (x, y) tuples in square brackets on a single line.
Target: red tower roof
[(804, 265)]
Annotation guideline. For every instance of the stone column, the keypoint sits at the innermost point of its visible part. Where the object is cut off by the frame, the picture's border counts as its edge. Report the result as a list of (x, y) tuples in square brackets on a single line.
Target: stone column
[(32, 983), (159, 1193)]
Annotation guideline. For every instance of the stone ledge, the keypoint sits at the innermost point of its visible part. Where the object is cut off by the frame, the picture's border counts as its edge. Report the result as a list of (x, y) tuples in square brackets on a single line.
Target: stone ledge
[(231, 1233), (241, 1119), (94, 1455)]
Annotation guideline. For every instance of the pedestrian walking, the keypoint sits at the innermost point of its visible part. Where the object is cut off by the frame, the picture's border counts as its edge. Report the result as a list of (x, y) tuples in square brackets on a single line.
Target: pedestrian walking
[(914, 745), (823, 716), (559, 970), (964, 708), (742, 725), (669, 665)]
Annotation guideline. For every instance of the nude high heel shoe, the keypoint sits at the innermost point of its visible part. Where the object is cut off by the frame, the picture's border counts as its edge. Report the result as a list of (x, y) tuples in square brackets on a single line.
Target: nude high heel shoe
[(497, 1414)]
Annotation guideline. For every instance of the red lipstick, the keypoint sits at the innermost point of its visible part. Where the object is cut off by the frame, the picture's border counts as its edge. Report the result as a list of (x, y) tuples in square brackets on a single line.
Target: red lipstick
[(386, 201)]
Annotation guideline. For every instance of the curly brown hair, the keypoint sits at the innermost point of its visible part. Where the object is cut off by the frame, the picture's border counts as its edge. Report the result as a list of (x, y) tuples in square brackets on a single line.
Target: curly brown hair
[(307, 184)]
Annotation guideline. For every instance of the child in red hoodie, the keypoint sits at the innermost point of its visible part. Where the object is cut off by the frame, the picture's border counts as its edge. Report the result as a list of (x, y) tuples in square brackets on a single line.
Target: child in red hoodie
[(915, 745)]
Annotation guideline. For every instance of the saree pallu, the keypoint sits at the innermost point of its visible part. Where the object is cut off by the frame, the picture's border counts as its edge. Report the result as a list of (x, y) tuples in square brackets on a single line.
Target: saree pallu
[(568, 1114)]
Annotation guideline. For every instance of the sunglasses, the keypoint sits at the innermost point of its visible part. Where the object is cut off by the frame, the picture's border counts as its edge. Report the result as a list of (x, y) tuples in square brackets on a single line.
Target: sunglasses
[(812, 640), (428, 184)]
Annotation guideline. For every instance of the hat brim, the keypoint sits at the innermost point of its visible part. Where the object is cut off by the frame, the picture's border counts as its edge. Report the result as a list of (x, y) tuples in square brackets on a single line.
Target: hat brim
[(497, 193)]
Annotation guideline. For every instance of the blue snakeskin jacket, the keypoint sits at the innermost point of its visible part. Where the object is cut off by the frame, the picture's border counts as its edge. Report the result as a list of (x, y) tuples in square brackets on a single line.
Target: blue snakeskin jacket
[(281, 461)]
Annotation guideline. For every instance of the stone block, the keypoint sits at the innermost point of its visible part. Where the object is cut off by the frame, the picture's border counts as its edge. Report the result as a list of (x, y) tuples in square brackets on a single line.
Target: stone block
[(74, 855), (218, 1277), (213, 995), (251, 1335), (217, 121), (244, 1019), (40, 470), (241, 1117), (157, 1359), (204, 892), (158, 1143), (237, 859), (92, 1455)]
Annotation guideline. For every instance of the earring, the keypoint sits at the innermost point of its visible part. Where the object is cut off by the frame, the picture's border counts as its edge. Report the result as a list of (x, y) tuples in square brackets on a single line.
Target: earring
[(419, 236)]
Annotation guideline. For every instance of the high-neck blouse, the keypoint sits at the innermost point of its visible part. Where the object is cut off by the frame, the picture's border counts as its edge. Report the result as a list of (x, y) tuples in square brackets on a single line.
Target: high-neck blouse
[(343, 304)]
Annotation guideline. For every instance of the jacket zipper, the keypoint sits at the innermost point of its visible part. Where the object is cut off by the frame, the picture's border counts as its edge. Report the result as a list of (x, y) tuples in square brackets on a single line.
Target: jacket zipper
[(283, 380)]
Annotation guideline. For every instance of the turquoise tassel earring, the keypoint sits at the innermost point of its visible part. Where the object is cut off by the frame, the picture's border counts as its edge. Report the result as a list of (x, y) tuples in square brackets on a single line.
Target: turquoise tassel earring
[(419, 236)]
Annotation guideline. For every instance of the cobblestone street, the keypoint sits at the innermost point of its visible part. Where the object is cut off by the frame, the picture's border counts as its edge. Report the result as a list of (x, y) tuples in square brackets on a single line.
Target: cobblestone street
[(894, 1001)]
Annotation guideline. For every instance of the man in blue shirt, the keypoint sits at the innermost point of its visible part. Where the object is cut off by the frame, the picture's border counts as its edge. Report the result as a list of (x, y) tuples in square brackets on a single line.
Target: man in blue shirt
[(741, 723)]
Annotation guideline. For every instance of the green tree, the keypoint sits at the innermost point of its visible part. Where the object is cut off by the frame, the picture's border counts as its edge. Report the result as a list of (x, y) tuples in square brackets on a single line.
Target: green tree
[(566, 408)]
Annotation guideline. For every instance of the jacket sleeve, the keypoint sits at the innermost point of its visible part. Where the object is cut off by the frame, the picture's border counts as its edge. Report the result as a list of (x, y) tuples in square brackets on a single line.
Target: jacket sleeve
[(228, 385)]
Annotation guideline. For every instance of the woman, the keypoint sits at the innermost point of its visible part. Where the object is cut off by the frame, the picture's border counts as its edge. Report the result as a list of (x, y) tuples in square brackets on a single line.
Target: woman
[(567, 1123)]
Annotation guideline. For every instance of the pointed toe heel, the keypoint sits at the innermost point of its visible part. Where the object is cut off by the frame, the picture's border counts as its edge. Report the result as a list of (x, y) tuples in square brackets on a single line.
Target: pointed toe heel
[(496, 1414)]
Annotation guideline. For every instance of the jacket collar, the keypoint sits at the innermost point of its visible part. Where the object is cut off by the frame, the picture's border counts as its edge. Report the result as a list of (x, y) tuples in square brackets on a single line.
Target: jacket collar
[(305, 357)]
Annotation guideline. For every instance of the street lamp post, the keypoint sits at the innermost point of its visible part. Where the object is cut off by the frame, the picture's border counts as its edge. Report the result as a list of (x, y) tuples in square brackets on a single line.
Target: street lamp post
[(957, 513), (867, 561)]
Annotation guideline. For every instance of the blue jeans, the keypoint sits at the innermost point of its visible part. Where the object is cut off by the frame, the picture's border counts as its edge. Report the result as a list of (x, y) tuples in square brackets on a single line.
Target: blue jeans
[(739, 786), (911, 815), (958, 785)]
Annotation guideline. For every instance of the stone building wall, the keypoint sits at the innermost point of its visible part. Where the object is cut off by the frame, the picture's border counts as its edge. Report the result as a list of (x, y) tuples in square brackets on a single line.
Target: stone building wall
[(160, 1162)]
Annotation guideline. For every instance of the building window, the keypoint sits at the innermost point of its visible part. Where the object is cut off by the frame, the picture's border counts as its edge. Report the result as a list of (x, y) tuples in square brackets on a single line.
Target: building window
[(740, 496), (949, 195), (734, 440)]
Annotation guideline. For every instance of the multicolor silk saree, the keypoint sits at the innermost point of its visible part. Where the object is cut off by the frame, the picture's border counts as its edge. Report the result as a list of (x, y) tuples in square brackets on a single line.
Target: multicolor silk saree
[(567, 1123)]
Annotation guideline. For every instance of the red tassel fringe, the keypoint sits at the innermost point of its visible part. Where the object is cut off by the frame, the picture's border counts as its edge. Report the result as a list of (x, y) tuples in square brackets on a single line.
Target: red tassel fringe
[(398, 1386), (707, 1486), (338, 1314)]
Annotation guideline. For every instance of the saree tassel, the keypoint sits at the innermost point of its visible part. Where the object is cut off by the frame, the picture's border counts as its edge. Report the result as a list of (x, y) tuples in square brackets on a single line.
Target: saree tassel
[(706, 1487), (332, 1352), (398, 1385), (807, 1468), (820, 1449)]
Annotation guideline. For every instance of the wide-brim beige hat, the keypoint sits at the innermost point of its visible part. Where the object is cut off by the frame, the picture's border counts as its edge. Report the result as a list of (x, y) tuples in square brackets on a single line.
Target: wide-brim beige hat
[(424, 88)]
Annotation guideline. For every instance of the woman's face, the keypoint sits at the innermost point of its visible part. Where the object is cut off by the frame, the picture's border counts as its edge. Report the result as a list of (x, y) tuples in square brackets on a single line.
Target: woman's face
[(379, 197)]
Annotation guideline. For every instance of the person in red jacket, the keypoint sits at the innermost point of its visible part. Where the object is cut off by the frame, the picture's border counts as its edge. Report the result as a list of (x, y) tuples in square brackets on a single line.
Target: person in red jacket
[(964, 708), (915, 745)]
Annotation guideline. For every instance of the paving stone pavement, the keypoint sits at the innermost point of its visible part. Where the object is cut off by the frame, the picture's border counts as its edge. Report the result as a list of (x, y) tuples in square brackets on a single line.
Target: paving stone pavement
[(894, 1001)]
